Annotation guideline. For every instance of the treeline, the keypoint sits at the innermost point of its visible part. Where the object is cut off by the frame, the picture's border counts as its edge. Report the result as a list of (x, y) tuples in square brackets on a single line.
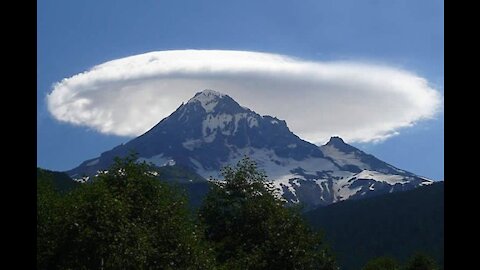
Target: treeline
[(127, 219), (418, 261)]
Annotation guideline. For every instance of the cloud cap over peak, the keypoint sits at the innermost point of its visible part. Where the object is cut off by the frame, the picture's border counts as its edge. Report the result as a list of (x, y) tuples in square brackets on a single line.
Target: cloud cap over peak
[(357, 101)]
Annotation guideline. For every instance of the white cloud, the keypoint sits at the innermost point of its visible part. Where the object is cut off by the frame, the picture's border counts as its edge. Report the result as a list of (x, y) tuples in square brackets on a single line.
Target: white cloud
[(357, 101)]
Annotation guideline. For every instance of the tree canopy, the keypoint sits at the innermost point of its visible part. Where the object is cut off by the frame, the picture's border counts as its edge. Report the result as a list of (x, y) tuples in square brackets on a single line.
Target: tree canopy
[(382, 263), (250, 227), (124, 219), (418, 261)]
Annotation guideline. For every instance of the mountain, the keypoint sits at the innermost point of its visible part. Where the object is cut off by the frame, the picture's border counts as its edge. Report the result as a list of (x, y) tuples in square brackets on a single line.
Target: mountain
[(395, 225), (212, 130)]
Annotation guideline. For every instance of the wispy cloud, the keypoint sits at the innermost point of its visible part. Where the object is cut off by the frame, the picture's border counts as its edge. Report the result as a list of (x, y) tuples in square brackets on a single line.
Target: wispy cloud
[(358, 101)]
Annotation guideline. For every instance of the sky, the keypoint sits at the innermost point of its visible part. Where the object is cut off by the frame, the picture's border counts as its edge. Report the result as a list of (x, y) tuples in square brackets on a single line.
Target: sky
[(386, 56)]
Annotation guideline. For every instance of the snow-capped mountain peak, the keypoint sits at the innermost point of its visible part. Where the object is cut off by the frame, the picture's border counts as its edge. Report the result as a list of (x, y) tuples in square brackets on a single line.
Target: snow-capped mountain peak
[(212, 130), (207, 98)]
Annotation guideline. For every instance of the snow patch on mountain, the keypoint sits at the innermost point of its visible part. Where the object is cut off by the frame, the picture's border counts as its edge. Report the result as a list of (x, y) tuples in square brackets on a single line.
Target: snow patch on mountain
[(93, 162), (342, 158), (391, 179), (212, 124), (426, 181), (192, 144), (223, 123), (82, 179), (240, 116), (286, 181), (252, 122), (158, 160), (346, 192), (203, 172), (342, 189)]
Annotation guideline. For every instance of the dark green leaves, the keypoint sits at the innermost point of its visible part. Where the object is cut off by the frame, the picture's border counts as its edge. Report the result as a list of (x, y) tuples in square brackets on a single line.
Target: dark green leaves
[(251, 228), (124, 219)]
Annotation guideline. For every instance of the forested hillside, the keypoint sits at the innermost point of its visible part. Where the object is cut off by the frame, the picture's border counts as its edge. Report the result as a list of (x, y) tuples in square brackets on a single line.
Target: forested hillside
[(395, 225), (61, 181)]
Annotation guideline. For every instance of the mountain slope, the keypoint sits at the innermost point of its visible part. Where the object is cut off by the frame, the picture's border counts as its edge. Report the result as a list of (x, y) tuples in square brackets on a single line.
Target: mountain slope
[(212, 130), (394, 225), (60, 181)]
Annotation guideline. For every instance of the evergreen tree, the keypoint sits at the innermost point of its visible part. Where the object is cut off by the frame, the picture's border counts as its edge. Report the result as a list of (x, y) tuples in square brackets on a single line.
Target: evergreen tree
[(251, 228)]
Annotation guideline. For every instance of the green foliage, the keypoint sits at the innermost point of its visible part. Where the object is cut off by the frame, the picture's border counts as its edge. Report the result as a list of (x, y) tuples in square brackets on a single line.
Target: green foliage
[(418, 261), (251, 229), (125, 219), (382, 263), (60, 181), (421, 261), (48, 204), (395, 225)]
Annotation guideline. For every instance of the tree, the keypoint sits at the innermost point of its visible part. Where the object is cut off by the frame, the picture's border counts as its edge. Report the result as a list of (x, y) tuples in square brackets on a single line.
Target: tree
[(251, 228), (382, 263), (48, 204), (421, 261), (125, 219)]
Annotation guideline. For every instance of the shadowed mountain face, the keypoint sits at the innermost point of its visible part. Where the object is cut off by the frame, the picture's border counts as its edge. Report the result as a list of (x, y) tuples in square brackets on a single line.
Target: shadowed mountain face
[(212, 130)]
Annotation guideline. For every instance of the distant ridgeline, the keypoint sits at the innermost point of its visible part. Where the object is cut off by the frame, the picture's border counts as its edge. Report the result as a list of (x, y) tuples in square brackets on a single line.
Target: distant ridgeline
[(395, 225)]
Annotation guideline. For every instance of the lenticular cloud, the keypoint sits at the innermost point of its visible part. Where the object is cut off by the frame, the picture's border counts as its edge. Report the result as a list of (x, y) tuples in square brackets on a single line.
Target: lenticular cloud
[(357, 101)]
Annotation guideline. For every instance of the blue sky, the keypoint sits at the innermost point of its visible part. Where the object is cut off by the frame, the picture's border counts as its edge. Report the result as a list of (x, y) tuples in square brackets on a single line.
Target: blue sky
[(75, 36)]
